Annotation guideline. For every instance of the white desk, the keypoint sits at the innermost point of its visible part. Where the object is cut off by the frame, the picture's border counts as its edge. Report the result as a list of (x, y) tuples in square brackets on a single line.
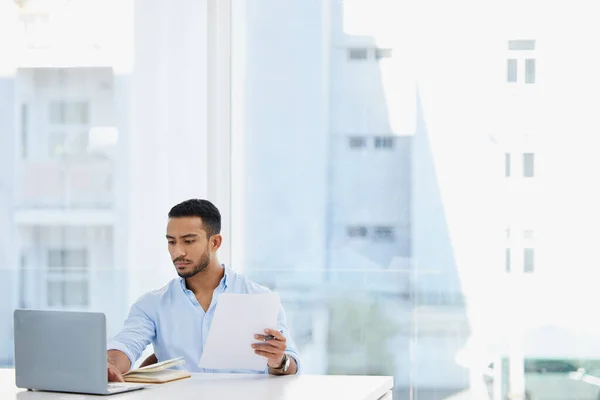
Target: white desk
[(231, 387)]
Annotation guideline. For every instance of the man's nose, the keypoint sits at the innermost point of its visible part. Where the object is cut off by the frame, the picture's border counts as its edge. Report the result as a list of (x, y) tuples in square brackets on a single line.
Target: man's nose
[(178, 252)]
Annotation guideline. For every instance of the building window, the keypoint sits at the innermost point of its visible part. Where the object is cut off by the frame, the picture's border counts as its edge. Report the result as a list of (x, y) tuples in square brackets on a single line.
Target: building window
[(69, 113), (357, 142), (521, 58), (356, 231), (384, 233), (528, 259), (507, 165), (507, 259), (528, 165), (358, 54), (67, 279), (530, 70), (520, 45), (384, 142), (383, 53), (511, 70)]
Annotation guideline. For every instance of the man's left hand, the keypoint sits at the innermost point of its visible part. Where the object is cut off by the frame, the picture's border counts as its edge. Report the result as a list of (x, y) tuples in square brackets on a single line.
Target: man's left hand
[(272, 349)]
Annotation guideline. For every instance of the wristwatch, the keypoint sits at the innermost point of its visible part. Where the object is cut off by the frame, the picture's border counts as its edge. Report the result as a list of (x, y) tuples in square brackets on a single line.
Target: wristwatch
[(285, 365)]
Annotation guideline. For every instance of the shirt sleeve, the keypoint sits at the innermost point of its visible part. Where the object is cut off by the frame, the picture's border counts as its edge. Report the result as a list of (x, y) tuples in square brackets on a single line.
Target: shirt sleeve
[(291, 349), (139, 330)]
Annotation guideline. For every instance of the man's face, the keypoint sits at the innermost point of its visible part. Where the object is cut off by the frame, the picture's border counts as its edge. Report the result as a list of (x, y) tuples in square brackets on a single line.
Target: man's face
[(188, 245)]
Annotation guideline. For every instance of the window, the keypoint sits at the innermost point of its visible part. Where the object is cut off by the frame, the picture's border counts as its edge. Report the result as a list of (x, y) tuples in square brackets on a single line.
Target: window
[(383, 53), (511, 70), (507, 259), (358, 54), (507, 165), (528, 165), (384, 142), (383, 233), (69, 113), (529, 71), (357, 231), (528, 259), (67, 280), (520, 45), (521, 58), (357, 142)]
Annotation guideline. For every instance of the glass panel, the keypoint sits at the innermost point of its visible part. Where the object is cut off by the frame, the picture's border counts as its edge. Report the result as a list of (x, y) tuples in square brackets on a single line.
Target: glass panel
[(528, 165), (511, 70), (530, 71), (521, 44)]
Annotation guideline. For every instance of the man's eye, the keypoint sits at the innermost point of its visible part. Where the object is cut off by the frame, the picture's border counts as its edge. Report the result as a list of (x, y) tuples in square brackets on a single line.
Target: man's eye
[(189, 241), (171, 242)]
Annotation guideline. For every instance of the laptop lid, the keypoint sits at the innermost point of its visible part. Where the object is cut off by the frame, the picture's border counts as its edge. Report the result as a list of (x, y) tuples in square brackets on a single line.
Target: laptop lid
[(61, 351)]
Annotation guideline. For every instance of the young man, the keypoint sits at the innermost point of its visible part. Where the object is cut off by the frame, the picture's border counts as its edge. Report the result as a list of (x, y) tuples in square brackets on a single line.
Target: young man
[(177, 317)]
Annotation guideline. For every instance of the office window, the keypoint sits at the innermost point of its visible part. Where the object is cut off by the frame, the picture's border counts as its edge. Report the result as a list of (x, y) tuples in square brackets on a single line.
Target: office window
[(528, 165), (69, 113), (528, 259), (63, 258), (67, 282), (357, 142), (384, 142), (383, 233), (358, 54), (383, 53), (520, 45), (507, 164), (530, 71), (356, 231), (507, 259), (511, 70)]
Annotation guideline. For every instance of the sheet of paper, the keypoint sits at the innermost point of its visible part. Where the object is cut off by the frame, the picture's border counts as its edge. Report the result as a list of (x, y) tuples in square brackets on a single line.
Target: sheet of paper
[(238, 317)]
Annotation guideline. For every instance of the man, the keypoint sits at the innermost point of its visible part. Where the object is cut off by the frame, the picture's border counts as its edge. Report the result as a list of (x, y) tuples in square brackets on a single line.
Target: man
[(177, 317)]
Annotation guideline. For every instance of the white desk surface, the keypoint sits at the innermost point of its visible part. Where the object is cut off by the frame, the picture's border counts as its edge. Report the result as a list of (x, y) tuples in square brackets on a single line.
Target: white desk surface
[(231, 387)]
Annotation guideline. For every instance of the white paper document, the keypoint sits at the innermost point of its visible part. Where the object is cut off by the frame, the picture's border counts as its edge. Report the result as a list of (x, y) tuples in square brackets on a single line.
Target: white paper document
[(238, 317)]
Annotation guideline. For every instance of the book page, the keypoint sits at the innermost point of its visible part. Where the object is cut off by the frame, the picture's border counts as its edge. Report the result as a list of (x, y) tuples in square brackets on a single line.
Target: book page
[(158, 366)]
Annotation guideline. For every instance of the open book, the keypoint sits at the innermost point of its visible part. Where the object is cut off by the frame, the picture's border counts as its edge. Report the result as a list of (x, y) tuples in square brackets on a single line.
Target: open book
[(157, 373)]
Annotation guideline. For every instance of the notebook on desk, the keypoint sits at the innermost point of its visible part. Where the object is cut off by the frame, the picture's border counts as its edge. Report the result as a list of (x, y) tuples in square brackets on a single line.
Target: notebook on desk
[(161, 372)]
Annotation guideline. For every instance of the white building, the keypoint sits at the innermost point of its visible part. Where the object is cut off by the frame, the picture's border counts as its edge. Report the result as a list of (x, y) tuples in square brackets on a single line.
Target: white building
[(398, 149)]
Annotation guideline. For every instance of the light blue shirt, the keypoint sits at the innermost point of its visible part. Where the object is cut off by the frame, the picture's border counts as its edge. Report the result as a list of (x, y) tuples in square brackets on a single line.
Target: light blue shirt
[(174, 322)]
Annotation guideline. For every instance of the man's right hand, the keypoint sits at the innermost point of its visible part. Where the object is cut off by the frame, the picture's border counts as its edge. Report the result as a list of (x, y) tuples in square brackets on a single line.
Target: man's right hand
[(114, 375), (118, 363)]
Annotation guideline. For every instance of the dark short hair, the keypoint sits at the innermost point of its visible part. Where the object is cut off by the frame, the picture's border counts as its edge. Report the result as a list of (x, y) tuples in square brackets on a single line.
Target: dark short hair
[(204, 209)]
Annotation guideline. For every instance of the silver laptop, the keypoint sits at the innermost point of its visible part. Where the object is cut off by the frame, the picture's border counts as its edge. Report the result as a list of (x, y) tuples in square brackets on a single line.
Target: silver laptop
[(63, 351)]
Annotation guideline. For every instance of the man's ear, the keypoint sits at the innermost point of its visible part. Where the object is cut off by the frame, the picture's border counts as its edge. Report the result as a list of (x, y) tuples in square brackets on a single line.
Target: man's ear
[(215, 242)]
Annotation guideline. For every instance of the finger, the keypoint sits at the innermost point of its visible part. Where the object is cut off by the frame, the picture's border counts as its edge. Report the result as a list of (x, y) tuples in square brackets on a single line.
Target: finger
[(267, 349), (271, 344), (260, 337), (114, 377), (266, 355), (275, 333)]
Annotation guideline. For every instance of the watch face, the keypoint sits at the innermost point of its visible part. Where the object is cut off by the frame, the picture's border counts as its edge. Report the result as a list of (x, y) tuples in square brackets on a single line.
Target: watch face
[(286, 363)]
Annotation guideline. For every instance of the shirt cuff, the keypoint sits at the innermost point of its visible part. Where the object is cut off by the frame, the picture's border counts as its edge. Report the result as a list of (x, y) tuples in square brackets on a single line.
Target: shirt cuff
[(121, 347), (297, 358)]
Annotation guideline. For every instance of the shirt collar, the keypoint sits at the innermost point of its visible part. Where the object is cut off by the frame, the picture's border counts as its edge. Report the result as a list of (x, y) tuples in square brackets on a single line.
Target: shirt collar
[(222, 284)]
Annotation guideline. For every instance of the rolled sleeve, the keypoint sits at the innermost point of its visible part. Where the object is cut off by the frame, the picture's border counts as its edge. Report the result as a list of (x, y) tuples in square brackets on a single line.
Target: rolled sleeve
[(138, 331)]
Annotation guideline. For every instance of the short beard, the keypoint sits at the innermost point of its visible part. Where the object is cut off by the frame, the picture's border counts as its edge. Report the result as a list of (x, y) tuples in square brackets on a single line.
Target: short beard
[(201, 266)]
